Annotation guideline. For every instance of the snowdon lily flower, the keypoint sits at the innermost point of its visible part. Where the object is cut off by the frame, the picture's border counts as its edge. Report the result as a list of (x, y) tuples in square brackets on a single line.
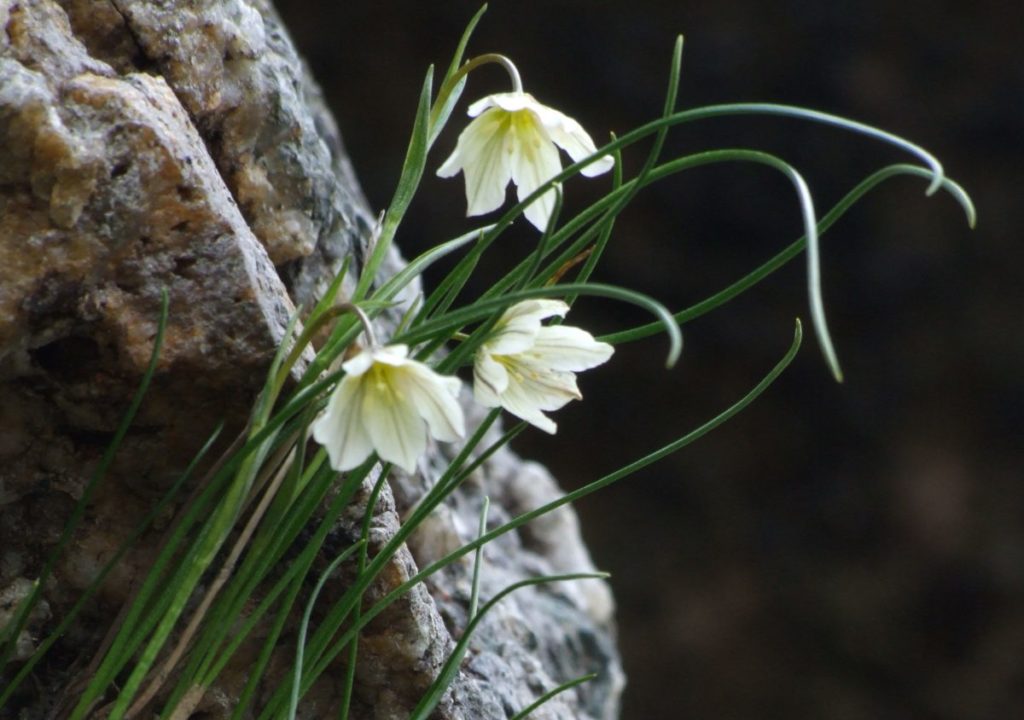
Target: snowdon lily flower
[(526, 367), (388, 403), (513, 137)]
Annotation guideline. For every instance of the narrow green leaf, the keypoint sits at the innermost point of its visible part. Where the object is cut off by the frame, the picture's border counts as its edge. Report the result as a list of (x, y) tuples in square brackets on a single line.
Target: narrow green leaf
[(364, 538), (444, 678), (300, 645), (418, 266), (453, 82), (456, 472), (630, 469), (525, 712), (460, 49), (478, 559), (488, 308), (794, 249), (408, 182), (96, 584)]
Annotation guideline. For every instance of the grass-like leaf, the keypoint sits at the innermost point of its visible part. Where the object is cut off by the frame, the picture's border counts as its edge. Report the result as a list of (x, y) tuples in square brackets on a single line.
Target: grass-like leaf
[(525, 712), (325, 658), (444, 678), (300, 644), (795, 248)]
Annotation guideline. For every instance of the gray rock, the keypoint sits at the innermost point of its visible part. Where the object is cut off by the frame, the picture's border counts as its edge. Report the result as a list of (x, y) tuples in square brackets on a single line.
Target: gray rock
[(147, 146)]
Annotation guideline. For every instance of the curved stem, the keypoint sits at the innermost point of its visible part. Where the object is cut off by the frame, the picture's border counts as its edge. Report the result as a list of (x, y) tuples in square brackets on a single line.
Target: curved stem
[(371, 336), (488, 58)]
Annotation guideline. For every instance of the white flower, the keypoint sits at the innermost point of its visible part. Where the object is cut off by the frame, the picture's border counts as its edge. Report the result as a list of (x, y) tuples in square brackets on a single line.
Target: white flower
[(387, 402), (526, 367), (513, 137)]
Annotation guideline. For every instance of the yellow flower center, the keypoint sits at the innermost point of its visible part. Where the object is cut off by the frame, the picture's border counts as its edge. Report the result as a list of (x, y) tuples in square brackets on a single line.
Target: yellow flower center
[(515, 369), (524, 125), (380, 378)]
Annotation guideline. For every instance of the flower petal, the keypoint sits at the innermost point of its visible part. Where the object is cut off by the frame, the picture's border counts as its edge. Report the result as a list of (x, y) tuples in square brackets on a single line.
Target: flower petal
[(358, 364), (485, 103), (562, 347), (434, 397), (516, 329), (490, 380), (394, 355), (571, 137), (482, 153), (520, 400), (511, 102), (339, 428), (513, 137), (535, 417), (547, 389), (515, 338), (534, 161), (533, 388), (537, 309), (394, 425)]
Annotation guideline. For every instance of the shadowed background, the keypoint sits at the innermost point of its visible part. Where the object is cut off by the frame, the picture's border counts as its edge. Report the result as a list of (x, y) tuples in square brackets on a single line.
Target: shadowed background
[(839, 552)]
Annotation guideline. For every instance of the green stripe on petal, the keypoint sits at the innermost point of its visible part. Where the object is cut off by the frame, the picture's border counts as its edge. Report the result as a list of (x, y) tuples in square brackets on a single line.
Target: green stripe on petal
[(340, 429), (395, 428)]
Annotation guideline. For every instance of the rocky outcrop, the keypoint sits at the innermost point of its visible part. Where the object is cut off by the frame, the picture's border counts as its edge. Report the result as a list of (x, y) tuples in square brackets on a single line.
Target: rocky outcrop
[(149, 147)]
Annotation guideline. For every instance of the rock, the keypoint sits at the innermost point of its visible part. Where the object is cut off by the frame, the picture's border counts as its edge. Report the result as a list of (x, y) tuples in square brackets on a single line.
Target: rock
[(10, 597), (538, 636), (151, 147)]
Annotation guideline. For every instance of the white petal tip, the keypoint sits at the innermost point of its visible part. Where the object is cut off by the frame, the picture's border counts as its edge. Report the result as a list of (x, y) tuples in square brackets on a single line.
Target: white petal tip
[(544, 423), (599, 167)]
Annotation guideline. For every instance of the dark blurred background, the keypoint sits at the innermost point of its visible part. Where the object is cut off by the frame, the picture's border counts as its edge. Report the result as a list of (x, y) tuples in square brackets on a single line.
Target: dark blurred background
[(839, 552)]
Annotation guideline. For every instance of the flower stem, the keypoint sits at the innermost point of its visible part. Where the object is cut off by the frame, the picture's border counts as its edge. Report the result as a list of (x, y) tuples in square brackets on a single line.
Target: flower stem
[(510, 68), (371, 337)]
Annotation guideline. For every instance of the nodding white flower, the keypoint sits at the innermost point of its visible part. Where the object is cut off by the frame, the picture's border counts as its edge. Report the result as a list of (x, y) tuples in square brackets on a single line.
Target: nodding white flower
[(526, 367), (388, 403), (513, 137)]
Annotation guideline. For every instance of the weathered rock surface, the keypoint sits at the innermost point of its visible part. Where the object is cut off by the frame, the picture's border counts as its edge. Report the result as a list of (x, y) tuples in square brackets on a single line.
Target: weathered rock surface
[(152, 146)]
